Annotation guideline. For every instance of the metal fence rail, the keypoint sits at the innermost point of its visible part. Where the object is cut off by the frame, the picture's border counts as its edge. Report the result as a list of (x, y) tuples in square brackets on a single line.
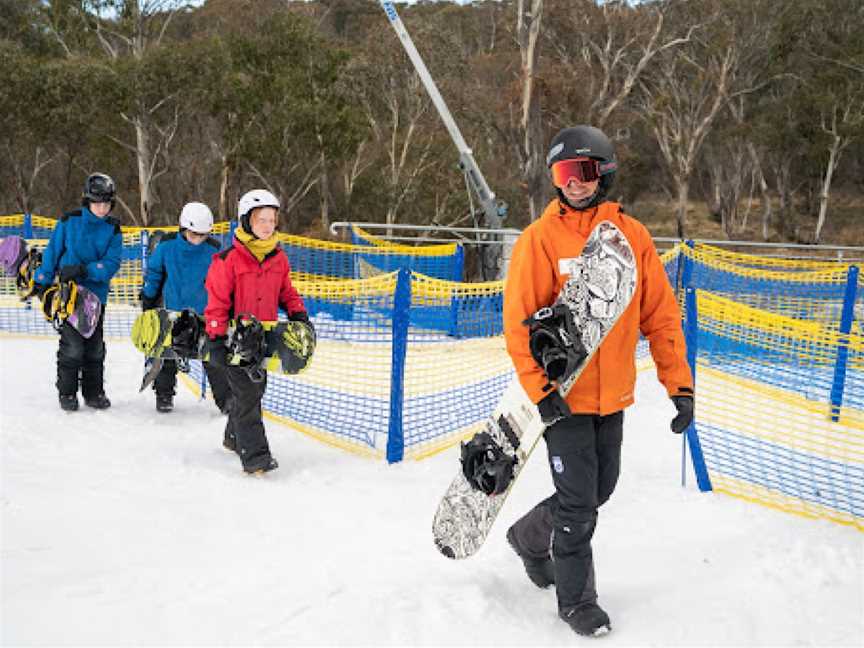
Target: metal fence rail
[(470, 236)]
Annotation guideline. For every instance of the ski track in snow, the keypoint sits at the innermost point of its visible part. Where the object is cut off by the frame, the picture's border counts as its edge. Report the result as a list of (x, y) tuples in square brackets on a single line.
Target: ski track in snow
[(132, 527)]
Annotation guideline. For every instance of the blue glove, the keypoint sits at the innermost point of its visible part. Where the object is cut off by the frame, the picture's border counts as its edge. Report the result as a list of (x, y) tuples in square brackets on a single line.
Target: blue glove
[(684, 404)]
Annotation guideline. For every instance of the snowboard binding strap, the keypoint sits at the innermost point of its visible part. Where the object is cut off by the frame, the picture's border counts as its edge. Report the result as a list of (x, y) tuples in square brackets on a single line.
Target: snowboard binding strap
[(58, 303), (555, 343), (247, 347), (25, 285), (187, 334), (486, 466)]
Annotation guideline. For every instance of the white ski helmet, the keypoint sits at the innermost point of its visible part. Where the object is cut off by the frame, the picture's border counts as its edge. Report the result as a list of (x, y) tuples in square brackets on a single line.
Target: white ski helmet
[(256, 198), (251, 200), (196, 217)]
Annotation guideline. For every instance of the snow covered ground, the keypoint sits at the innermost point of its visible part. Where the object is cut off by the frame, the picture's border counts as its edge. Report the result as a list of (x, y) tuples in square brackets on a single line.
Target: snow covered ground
[(130, 527)]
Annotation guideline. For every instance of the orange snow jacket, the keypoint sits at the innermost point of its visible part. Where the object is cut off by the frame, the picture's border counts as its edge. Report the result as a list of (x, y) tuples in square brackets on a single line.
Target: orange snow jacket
[(534, 280)]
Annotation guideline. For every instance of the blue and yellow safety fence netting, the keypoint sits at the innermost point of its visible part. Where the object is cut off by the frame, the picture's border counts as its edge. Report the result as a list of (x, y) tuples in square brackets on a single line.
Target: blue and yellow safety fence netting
[(780, 410), (419, 358)]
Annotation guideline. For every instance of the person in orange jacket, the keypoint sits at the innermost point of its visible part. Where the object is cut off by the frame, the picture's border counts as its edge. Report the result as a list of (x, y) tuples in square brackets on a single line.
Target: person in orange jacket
[(583, 433)]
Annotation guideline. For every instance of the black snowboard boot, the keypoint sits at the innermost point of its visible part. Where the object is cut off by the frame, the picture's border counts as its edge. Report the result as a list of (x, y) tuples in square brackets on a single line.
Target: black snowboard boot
[(229, 441), (69, 402), (587, 619), (260, 464), (99, 401), (541, 571), (164, 403)]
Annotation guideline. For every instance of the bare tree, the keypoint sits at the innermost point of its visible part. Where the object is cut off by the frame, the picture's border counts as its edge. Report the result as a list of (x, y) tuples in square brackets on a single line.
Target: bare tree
[(141, 28), (528, 19), (397, 107), (611, 46), (679, 101), (841, 128)]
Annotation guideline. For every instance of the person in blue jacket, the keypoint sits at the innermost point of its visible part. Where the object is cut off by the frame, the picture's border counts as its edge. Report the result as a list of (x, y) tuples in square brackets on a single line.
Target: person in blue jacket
[(86, 247), (176, 272)]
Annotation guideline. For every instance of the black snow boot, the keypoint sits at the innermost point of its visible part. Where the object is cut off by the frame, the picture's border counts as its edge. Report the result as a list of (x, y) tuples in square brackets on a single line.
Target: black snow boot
[(99, 401), (164, 403), (587, 619), (541, 571), (260, 464), (229, 441), (69, 402)]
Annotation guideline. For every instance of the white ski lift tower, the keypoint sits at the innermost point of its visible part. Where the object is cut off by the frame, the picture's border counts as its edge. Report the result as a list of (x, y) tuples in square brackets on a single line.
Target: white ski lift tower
[(492, 210)]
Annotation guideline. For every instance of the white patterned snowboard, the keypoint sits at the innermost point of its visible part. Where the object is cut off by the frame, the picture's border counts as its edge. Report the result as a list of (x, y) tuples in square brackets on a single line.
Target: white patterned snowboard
[(601, 284)]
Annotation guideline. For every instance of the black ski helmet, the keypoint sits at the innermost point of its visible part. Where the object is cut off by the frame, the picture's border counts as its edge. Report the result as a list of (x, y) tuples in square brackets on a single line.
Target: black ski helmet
[(99, 187), (590, 142)]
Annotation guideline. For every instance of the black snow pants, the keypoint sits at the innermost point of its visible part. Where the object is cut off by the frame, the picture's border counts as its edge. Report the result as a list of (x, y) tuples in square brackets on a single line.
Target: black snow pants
[(585, 460), (245, 420), (166, 381), (81, 358)]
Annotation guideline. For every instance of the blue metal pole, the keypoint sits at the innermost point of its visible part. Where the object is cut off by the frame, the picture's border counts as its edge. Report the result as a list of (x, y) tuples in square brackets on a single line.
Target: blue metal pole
[(401, 318), (846, 316), (691, 332)]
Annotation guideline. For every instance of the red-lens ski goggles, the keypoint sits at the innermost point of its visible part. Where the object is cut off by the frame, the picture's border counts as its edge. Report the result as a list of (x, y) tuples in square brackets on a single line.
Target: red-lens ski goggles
[(584, 170)]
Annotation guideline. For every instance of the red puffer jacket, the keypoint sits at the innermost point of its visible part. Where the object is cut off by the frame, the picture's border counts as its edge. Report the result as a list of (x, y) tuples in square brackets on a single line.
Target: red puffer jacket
[(238, 284)]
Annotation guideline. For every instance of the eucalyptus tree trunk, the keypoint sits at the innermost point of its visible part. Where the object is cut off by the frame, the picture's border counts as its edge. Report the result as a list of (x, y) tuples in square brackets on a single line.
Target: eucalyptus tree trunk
[(531, 146)]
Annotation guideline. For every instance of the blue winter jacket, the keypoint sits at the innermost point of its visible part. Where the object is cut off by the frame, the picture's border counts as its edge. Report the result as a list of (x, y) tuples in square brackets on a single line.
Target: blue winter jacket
[(82, 238), (177, 269)]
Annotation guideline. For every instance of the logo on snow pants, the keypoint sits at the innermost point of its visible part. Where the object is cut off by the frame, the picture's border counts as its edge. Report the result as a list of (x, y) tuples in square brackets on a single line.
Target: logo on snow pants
[(557, 464)]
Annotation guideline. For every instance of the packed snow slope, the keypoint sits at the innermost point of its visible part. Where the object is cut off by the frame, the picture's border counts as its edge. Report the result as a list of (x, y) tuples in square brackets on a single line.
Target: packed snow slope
[(132, 527)]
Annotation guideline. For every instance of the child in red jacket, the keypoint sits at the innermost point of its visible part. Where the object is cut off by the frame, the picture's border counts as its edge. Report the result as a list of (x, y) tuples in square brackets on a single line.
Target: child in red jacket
[(252, 277)]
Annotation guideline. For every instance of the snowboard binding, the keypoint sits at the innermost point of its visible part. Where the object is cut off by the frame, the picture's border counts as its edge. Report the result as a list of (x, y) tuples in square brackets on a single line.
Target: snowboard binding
[(486, 466), (27, 267), (555, 343), (187, 335), (247, 347), (58, 303)]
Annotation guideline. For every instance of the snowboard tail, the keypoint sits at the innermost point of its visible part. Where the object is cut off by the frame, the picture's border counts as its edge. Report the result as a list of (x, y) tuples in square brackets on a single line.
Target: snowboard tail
[(600, 287)]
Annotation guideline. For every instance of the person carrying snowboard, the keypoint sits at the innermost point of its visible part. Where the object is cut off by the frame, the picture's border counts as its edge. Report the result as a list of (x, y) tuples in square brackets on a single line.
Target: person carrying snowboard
[(583, 433), (250, 278), (176, 272), (86, 247)]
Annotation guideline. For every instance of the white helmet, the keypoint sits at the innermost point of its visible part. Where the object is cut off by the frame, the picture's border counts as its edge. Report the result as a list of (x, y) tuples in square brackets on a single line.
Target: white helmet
[(255, 198), (197, 217)]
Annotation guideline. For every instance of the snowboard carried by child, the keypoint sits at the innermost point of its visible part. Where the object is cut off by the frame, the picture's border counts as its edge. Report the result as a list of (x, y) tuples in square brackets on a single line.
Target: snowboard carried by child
[(63, 301), (284, 347), (162, 335)]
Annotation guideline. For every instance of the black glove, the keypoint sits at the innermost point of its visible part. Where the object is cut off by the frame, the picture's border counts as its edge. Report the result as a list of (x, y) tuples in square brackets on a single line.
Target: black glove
[(299, 316), (148, 303), (73, 272), (39, 290), (218, 351), (553, 408), (684, 404)]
